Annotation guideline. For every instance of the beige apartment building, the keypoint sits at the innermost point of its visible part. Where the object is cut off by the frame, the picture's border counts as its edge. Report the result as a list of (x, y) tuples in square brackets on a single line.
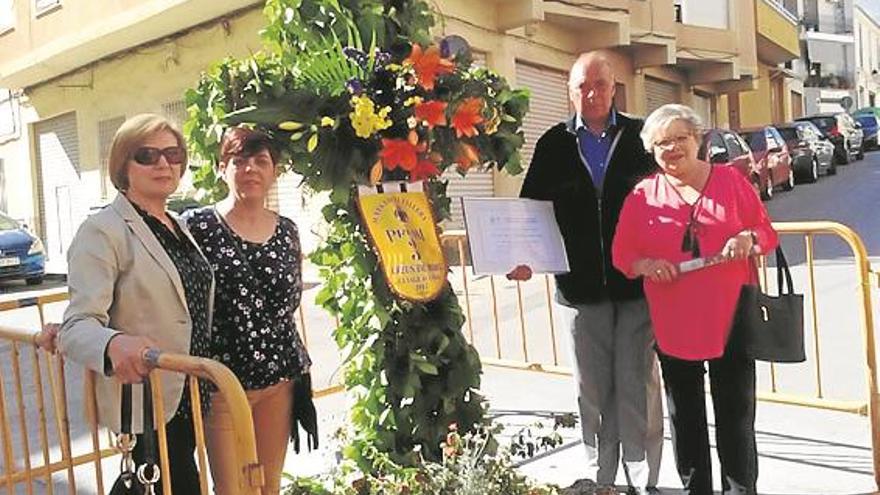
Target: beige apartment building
[(75, 69), (867, 39)]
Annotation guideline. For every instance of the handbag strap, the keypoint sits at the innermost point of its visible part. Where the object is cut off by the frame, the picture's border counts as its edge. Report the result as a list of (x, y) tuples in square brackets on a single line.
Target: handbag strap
[(125, 410), (782, 268), (148, 436)]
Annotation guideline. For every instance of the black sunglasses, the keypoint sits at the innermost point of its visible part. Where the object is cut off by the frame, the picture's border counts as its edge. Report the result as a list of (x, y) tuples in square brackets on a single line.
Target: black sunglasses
[(147, 155)]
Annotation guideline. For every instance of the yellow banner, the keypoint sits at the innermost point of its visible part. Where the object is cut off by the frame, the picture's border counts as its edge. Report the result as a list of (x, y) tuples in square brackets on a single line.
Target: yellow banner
[(403, 231)]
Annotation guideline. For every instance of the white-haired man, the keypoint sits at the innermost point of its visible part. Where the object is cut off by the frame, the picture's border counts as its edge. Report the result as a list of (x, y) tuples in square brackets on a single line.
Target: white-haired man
[(587, 166)]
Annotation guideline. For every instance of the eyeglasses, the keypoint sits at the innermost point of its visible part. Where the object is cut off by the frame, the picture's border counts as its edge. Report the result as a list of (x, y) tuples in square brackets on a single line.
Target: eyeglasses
[(670, 143), (147, 155)]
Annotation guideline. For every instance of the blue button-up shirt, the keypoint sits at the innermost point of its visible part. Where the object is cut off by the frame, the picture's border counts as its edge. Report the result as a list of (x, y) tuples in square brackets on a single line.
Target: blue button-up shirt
[(596, 147)]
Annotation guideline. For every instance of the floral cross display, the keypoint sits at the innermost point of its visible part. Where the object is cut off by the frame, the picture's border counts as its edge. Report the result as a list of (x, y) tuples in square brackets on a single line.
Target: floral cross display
[(355, 92)]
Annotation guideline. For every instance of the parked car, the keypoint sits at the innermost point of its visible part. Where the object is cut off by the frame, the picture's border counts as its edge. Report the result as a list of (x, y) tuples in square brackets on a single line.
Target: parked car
[(869, 127), (841, 129), (811, 151), (21, 253), (723, 147), (772, 154)]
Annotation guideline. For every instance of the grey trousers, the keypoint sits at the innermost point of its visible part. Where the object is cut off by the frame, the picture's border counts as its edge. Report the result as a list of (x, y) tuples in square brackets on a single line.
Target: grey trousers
[(618, 389)]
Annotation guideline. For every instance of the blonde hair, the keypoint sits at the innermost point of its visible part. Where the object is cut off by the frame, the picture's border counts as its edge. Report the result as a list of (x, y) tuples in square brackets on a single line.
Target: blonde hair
[(129, 137)]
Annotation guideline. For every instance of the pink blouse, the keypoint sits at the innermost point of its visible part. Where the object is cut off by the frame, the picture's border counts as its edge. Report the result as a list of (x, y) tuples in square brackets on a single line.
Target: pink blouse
[(693, 314)]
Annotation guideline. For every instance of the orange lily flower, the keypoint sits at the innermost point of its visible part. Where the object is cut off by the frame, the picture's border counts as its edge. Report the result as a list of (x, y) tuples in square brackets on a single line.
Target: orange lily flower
[(467, 115), (399, 153), (428, 65), (425, 168), (431, 112), (466, 157)]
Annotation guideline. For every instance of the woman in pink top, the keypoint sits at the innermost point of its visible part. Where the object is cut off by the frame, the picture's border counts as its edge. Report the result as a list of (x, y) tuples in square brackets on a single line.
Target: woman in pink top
[(691, 209)]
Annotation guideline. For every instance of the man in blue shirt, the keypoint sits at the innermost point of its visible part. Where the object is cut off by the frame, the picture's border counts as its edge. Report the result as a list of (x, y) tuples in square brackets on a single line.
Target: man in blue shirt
[(587, 166)]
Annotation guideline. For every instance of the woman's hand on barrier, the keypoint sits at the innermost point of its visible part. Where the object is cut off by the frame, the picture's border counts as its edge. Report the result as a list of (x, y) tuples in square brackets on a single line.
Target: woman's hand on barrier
[(739, 247), (656, 270), (126, 353), (48, 337), (521, 273)]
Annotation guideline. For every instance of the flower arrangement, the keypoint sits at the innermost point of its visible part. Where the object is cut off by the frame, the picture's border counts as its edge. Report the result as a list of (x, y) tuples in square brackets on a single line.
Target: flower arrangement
[(354, 92), (406, 115)]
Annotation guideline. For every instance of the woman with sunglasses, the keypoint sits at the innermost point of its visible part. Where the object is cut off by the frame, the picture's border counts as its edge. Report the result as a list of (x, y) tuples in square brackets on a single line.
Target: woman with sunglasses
[(255, 254), (137, 280), (690, 209)]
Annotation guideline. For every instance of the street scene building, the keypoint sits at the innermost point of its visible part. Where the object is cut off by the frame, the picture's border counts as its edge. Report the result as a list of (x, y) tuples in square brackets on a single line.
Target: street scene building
[(867, 38), (757, 72), (828, 61), (68, 90)]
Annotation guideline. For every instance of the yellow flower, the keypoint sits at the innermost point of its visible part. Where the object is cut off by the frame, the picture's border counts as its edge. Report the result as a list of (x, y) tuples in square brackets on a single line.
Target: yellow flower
[(493, 123), (412, 100), (327, 122), (364, 118), (289, 125)]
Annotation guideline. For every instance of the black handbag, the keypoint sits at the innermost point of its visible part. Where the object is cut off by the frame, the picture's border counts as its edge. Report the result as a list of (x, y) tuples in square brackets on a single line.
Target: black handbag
[(771, 328), (140, 480)]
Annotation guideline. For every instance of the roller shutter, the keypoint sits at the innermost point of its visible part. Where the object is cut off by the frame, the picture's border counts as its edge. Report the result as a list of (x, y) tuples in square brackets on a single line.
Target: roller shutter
[(659, 93), (62, 194), (548, 105)]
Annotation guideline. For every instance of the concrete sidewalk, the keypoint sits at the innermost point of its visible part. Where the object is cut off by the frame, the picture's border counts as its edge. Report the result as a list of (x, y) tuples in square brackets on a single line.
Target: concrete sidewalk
[(801, 451)]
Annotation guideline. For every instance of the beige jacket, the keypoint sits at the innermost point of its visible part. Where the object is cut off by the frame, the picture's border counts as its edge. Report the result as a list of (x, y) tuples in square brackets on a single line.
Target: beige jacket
[(121, 280)]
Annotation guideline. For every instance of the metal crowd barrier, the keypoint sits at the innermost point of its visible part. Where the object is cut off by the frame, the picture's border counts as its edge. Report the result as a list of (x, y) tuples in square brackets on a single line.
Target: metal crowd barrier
[(535, 327), (531, 342), (20, 469)]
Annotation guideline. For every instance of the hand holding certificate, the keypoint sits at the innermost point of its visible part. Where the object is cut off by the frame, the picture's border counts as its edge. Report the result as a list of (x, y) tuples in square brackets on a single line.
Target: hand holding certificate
[(504, 233), (698, 263)]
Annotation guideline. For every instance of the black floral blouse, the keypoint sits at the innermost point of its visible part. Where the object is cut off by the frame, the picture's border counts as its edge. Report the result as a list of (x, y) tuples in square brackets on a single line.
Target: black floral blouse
[(258, 290), (195, 275)]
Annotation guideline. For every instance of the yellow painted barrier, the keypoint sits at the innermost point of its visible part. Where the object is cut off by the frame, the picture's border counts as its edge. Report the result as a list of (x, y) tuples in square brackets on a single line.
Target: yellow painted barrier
[(533, 344), (529, 338), (19, 469)]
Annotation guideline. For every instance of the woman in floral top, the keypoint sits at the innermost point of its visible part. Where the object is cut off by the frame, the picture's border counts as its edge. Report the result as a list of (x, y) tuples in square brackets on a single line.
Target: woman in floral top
[(256, 258)]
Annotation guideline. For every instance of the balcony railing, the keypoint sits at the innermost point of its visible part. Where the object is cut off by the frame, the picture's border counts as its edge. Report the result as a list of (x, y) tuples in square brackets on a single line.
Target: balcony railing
[(831, 81)]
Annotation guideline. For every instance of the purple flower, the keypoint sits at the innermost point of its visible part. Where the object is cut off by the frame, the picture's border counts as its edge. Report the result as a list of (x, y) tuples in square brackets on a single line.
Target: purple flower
[(356, 56), (382, 58), (454, 46), (354, 86)]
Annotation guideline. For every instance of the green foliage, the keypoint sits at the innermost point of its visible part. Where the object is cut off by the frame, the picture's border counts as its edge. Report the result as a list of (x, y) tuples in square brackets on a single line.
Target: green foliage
[(408, 366), (471, 464)]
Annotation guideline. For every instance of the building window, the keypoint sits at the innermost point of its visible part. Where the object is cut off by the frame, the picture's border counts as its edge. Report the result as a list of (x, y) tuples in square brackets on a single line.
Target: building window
[(7, 15), (677, 8), (44, 6)]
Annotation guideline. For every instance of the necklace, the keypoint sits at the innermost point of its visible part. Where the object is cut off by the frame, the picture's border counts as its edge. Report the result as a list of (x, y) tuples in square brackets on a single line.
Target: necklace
[(690, 242)]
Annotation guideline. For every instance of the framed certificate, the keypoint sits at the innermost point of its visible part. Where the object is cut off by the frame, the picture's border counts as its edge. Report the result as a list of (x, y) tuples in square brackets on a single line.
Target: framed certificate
[(506, 232)]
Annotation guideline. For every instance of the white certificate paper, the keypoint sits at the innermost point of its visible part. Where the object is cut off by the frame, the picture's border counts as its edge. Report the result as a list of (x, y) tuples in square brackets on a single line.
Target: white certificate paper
[(506, 232)]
